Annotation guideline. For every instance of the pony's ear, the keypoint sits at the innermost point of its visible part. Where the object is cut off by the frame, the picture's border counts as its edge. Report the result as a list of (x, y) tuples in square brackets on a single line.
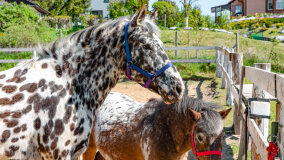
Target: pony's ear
[(196, 115), (224, 113), (139, 18), (154, 14)]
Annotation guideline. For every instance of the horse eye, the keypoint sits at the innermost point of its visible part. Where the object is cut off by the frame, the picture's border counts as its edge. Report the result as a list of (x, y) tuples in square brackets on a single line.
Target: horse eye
[(147, 47), (200, 138)]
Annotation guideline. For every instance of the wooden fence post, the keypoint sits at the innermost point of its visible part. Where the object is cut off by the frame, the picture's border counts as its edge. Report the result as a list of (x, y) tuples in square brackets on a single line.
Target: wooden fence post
[(9, 40), (60, 34), (280, 96), (165, 21), (262, 123), (34, 54), (237, 63), (218, 60), (243, 145), (237, 43), (281, 131), (176, 42), (229, 97), (224, 64)]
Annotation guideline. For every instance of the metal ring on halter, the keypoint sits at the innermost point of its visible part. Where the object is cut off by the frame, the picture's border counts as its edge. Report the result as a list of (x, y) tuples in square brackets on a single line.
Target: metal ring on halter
[(129, 64), (153, 77)]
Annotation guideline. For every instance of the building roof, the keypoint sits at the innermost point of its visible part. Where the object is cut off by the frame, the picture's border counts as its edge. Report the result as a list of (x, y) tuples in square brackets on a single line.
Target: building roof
[(31, 3), (231, 1)]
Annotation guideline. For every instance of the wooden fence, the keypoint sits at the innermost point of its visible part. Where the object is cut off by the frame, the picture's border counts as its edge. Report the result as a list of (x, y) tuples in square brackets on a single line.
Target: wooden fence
[(229, 66)]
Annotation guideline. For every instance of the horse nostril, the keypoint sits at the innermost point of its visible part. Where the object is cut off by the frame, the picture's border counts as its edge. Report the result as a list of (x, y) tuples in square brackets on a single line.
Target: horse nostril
[(178, 89)]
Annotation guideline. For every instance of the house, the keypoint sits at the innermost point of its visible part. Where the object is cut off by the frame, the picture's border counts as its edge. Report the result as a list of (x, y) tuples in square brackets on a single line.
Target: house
[(41, 11), (99, 7), (251, 7)]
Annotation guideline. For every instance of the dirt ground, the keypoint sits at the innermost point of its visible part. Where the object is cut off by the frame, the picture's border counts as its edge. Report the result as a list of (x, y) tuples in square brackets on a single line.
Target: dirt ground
[(202, 89)]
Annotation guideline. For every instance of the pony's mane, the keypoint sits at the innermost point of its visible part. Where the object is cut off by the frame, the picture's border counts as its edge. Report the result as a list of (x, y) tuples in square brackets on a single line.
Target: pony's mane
[(194, 104), (47, 51)]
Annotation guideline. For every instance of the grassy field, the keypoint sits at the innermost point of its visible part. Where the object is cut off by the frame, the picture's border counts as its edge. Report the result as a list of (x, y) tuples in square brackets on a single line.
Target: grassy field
[(254, 51)]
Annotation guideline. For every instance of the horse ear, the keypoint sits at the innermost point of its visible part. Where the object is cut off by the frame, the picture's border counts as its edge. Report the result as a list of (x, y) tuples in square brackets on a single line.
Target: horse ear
[(196, 115), (154, 14), (139, 18), (224, 113)]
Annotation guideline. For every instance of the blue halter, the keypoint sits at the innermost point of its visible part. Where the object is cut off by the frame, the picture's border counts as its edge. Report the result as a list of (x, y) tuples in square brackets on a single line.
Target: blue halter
[(130, 64)]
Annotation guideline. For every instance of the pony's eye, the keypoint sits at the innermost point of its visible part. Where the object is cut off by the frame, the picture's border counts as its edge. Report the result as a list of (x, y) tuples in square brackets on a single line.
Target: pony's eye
[(200, 138)]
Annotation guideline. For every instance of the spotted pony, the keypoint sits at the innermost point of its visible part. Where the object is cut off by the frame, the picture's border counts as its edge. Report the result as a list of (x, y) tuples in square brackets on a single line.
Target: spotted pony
[(47, 105)]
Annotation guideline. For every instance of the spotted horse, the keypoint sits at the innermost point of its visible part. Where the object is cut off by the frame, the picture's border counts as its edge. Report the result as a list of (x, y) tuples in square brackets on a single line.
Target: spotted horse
[(47, 105)]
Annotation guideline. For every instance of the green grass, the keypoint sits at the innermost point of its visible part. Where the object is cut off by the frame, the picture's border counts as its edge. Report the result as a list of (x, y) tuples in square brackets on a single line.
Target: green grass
[(254, 51), (5, 66)]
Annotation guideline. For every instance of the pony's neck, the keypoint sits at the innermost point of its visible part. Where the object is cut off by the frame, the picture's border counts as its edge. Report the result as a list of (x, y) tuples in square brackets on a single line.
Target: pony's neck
[(92, 61), (180, 127)]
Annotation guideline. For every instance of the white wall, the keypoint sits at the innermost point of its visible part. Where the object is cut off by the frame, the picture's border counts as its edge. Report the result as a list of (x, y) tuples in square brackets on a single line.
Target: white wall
[(99, 5)]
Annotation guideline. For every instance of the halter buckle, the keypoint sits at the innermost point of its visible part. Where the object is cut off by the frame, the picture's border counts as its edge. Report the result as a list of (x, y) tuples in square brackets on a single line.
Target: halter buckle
[(129, 64), (153, 77)]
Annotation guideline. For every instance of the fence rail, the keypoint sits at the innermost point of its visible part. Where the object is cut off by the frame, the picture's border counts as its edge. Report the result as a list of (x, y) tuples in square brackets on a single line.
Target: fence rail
[(13, 50)]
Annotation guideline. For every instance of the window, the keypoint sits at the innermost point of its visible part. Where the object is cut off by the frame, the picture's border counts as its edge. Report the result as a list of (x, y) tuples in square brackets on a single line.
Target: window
[(238, 9), (269, 5), (279, 4), (106, 1), (98, 13)]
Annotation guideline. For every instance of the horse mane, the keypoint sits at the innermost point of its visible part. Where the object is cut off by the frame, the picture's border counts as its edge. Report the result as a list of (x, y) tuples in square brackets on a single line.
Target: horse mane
[(48, 51), (194, 104)]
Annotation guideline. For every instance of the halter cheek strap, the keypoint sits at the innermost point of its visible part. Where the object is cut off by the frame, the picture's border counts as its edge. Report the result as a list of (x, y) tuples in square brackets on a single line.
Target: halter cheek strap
[(130, 64), (205, 153)]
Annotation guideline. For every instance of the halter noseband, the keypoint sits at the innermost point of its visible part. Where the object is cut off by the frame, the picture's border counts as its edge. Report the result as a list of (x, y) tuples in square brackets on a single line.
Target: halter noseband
[(130, 64), (205, 153)]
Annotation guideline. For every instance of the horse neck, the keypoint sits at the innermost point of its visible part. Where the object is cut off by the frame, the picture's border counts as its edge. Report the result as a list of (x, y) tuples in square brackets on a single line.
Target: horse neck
[(93, 62), (180, 127)]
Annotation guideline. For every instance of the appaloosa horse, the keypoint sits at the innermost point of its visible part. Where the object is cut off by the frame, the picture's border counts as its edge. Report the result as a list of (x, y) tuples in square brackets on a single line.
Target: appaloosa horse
[(47, 106), (127, 130)]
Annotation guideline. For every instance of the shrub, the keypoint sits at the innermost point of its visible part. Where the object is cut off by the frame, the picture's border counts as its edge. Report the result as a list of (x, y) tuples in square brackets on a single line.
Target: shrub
[(273, 31), (14, 14), (173, 16), (264, 29), (21, 24), (88, 20), (60, 21), (279, 25)]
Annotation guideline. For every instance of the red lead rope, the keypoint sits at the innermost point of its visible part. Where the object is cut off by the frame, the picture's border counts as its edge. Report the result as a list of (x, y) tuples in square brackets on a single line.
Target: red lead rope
[(272, 150)]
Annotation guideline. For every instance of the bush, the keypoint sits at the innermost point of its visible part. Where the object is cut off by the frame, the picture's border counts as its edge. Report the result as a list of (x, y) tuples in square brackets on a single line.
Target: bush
[(14, 14), (60, 21), (88, 20), (173, 16), (264, 29), (21, 24), (273, 31), (118, 8), (279, 25)]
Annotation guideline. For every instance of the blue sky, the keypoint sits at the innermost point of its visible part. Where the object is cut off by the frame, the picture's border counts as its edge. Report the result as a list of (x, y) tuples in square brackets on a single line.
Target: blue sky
[(205, 5)]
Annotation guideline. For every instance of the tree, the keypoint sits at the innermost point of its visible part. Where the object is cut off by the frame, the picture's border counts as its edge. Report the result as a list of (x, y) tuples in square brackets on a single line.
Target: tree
[(173, 15), (71, 8), (187, 4), (118, 8)]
